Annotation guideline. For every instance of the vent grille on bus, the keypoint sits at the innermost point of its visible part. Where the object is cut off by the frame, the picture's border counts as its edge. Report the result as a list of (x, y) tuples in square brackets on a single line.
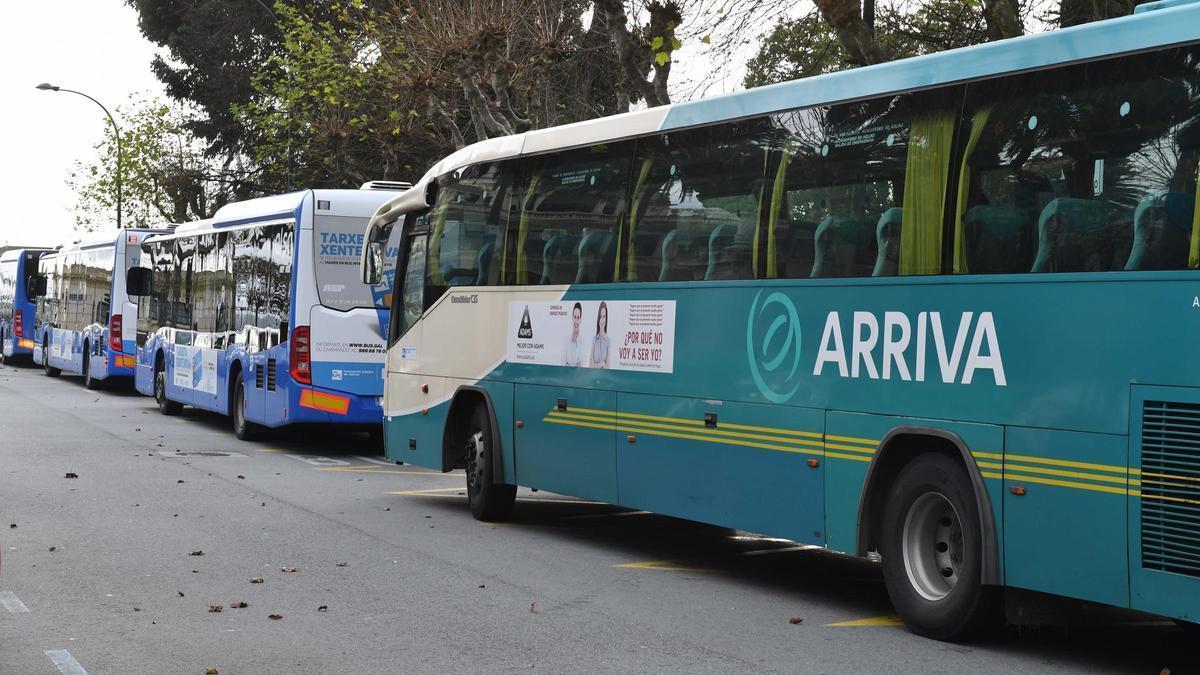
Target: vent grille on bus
[(258, 377), (394, 185), (271, 368), (1171, 487)]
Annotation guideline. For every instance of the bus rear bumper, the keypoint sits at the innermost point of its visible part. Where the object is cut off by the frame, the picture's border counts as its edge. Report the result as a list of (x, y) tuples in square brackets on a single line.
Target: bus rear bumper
[(317, 405)]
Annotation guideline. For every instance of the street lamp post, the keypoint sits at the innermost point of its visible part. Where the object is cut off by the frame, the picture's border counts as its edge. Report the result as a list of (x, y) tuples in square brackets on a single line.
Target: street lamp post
[(46, 86)]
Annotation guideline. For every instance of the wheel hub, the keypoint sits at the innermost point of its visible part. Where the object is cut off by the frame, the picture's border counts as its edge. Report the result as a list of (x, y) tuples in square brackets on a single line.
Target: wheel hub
[(476, 447), (932, 546)]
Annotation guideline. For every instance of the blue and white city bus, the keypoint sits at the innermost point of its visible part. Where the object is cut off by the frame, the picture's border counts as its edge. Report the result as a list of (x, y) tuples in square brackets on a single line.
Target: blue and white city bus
[(18, 268), (85, 319), (942, 310), (259, 314)]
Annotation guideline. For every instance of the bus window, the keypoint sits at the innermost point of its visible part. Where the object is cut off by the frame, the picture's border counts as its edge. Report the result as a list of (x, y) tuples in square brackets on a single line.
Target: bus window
[(413, 297), (1089, 168), (860, 187), (695, 203), (571, 211), (467, 228)]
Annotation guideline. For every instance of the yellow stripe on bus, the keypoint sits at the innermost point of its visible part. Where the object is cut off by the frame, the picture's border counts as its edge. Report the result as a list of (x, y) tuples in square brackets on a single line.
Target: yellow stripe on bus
[(691, 422), (661, 432), (720, 433), (1011, 467), (1068, 484)]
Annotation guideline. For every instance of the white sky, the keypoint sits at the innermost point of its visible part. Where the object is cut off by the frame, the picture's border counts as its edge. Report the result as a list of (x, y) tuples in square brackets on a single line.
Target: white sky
[(93, 46)]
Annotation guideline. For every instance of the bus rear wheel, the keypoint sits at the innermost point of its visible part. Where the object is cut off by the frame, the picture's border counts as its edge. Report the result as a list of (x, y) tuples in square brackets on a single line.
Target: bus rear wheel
[(244, 429), (932, 551), (489, 500), (50, 370), (165, 405)]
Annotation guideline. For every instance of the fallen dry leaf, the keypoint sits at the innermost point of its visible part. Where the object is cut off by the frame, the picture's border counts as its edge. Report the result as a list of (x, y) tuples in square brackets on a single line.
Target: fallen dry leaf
[(179, 481), (215, 607), (287, 569), (323, 608), (275, 617), (240, 604), (212, 671), (795, 620), (241, 477), (71, 474), (196, 553), (256, 580), (340, 563)]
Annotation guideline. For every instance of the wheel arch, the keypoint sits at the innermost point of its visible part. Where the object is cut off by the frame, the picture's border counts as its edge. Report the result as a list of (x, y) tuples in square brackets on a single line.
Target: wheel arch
[(897, 449), (235, 369), (466, 397)]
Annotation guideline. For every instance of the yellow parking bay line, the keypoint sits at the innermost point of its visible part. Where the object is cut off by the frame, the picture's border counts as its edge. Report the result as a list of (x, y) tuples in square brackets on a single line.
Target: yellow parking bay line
[(431, 492), (370, 468), (885, 620), (662, 566)]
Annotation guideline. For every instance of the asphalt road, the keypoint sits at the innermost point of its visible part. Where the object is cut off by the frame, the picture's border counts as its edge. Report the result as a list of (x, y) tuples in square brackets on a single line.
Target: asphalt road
[(101, 573)]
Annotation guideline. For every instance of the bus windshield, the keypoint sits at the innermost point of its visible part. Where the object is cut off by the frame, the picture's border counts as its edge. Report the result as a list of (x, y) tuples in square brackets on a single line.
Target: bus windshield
[(339, 241)]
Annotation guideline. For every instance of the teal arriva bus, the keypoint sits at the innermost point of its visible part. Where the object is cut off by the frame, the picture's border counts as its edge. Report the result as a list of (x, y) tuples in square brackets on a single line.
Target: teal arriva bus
[(937, 310)]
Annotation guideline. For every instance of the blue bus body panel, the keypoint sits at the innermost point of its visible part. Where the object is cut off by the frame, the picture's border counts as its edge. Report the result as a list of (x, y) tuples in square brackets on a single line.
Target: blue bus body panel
[(24, 345)]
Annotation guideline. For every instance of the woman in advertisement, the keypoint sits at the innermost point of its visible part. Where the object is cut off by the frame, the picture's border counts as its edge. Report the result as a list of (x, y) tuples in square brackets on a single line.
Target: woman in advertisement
[(600, 343)]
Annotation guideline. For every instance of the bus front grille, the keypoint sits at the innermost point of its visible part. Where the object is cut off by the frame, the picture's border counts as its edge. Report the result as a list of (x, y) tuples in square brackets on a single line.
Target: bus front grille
[(1170, 487)]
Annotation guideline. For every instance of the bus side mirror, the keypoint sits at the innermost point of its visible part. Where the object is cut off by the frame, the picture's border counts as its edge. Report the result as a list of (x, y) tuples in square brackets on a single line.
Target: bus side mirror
[(372, 263), (139, 281), (35, 286)]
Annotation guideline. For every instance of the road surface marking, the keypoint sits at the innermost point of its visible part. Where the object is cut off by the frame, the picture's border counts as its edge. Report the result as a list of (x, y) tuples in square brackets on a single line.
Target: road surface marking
[(376, 460), (319, 460), (372, 469), (662, 566), (428, 492), (67, 665), (12, 603), (885, 620)]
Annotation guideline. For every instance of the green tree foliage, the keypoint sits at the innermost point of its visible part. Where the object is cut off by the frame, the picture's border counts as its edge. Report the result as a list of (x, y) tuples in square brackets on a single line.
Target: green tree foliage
[(167, 175)]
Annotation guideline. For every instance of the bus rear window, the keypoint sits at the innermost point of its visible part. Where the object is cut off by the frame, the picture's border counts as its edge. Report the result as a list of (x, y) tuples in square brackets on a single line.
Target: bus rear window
[(339, 241)]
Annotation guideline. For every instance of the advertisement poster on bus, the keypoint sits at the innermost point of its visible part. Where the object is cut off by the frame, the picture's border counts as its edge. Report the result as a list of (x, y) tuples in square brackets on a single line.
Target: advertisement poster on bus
[(196, 368), (615, 334)]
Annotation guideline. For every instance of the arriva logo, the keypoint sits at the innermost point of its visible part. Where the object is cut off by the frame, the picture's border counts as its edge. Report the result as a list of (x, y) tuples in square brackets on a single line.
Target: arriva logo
[(773, 346)]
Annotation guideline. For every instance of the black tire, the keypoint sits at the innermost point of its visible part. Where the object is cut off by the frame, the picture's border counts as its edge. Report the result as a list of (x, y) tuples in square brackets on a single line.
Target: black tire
[(376, 438), (244, 429), (932, 551), (3, 359), (50, 370), (165, 405), (88, 381), (489, 500)]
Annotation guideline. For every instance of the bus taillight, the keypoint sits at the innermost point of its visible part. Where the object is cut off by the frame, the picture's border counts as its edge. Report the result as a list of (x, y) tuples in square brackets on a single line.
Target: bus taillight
[(299, 356), (114, 333), (19, 323)]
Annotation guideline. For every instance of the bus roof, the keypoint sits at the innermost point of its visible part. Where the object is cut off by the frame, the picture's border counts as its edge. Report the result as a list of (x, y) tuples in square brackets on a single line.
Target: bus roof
[(1159, 24), (101, 240), (361, 203), (15, 253)]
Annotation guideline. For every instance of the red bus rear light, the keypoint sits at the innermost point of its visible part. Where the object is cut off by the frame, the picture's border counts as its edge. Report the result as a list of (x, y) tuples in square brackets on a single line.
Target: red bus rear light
[(114, 332), (19, 323), (299, 356)]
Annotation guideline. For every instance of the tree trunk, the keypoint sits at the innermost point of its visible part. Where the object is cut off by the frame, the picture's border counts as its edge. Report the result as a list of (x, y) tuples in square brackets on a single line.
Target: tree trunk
[(845, 16), (1003, 19)]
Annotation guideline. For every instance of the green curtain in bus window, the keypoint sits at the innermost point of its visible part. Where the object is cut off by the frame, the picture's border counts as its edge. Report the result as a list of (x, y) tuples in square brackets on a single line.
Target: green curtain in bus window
[(1194, 249), (758, 210), (643, 174), (436, 277), (523, 228), (964, 185), (927, 169), (778, 206)]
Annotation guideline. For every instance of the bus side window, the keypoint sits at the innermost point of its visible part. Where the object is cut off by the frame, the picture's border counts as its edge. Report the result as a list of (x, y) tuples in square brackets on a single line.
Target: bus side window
[(467, 227), (1089, 168), (694, 206), (571, 213)]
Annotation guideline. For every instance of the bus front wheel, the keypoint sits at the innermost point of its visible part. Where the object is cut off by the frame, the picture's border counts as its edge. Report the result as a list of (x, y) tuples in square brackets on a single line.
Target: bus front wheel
[(165, 405), (932, 551), (50, 370), (489, 500), (244, 429)]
